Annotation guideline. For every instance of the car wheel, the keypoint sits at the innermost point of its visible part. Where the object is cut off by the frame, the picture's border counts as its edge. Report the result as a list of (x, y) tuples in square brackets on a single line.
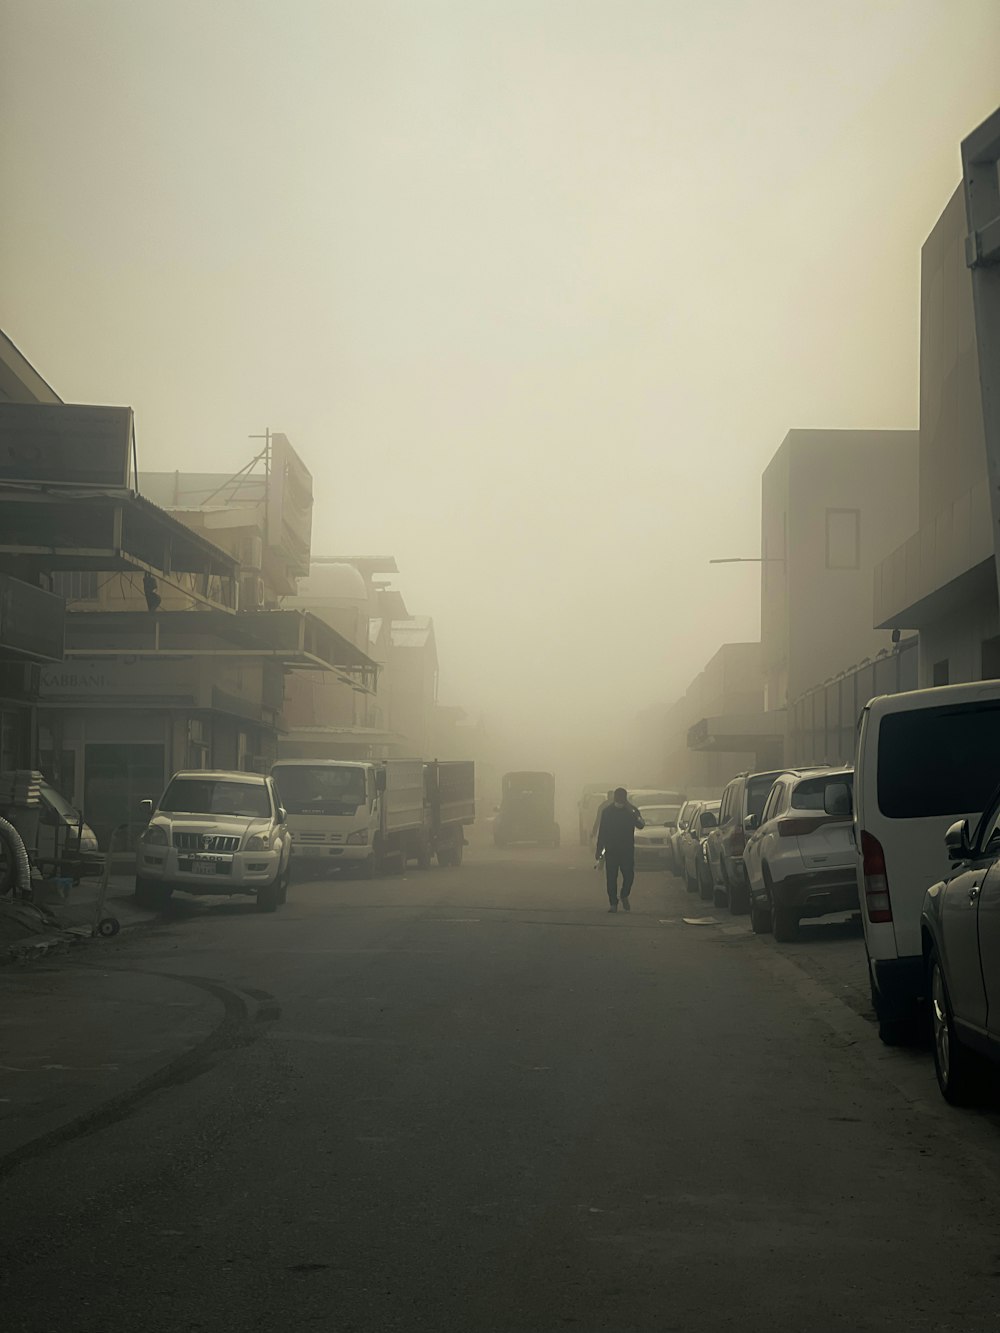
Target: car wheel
[(269, 895), (151, 894), (718, 896), (424, 856), (690, 883), (785, 924), (760, 918), (366, 868), (959, 1072)]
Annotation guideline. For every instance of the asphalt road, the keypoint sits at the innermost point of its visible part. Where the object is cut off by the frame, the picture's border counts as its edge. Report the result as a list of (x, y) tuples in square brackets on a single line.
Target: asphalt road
[(470, 1099)]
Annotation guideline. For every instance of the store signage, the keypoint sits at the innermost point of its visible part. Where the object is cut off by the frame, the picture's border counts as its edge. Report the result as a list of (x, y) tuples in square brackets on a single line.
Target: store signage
[(66, 444), (289, 505)]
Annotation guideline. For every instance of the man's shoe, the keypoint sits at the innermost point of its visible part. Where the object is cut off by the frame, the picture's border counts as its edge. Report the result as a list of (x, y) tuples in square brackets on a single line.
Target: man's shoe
[(625, 905), (613, 907)]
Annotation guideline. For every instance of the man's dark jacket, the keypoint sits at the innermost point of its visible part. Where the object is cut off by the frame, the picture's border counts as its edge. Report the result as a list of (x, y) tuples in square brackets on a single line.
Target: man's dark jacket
[(616, 835)]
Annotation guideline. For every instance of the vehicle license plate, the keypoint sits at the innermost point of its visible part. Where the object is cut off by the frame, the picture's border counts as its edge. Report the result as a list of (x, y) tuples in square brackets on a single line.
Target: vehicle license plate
[(203, 867)]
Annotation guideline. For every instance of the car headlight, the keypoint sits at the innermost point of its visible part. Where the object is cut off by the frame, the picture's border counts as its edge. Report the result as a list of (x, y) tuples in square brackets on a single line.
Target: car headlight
[(358, 839), (155, 836), (257, 842)]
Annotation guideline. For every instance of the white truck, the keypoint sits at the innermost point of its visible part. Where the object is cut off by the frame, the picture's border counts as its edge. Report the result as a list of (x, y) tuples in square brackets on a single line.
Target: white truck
[(373, 816)]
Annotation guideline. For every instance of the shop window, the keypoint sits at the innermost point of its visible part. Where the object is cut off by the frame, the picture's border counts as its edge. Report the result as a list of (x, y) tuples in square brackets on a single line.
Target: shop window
[(843, 539), (939, 673)]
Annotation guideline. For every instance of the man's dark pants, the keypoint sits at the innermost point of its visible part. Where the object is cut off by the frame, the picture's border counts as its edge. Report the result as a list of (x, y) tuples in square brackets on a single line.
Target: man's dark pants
[(613, 863)]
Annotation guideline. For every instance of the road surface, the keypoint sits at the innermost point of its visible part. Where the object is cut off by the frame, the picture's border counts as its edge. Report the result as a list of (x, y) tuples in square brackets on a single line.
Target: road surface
[(470, 1099)]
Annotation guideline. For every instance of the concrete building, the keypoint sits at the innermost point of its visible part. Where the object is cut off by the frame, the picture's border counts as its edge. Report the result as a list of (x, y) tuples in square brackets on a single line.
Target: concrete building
[(398, 718), (328, 718), (833, 504), (719, 727), (940, 579), (162, 669)]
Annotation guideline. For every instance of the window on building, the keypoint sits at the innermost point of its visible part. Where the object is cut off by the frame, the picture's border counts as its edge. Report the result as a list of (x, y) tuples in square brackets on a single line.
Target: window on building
[(939, 673), (76, 585), (843, 539), (991, 659)]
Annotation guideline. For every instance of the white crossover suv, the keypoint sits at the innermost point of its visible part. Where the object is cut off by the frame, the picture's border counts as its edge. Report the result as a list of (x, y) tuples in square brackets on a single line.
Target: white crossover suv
[(800, 857), (215, 833)]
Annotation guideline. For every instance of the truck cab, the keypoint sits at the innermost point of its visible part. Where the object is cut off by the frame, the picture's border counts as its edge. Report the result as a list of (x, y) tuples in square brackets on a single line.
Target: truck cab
[(333, 811)]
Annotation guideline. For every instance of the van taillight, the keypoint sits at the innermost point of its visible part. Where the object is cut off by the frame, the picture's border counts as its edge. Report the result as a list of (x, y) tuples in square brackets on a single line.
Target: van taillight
[(876, 882)]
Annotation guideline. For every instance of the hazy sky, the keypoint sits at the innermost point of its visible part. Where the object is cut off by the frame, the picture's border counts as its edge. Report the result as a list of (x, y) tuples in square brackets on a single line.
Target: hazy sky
[(535, 287)]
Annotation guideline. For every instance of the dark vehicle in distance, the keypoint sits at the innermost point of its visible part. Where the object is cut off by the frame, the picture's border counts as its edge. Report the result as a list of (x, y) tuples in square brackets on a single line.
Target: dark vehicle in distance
[(693, 866), (744, 796), (527, 811)]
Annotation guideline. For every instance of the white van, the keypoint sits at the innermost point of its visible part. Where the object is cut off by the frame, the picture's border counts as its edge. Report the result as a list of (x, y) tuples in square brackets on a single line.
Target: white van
[(925, 759)]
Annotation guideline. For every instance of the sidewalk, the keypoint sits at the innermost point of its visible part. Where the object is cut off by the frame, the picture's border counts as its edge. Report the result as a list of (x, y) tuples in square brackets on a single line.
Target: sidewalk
[(74, 1038), (53, 921)]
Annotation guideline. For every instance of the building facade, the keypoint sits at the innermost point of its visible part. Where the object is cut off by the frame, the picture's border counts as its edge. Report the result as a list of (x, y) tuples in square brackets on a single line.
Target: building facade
[(941, 579), (833, 504)]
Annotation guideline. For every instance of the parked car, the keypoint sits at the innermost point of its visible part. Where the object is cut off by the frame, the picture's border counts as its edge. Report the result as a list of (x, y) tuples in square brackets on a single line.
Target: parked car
[(652, 843), (684, 816), (743, 796), (925, 759), (799, 855), (960, 925), (212, 833), (693, 868)]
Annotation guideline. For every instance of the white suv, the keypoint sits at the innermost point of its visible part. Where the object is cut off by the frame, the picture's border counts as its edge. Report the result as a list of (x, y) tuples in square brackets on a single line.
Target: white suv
[(213, 833), (800, 857)]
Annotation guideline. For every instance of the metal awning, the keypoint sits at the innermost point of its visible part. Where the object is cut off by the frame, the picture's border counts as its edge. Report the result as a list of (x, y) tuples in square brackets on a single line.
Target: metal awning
[(49, 529), (298, 639), (736, 733)]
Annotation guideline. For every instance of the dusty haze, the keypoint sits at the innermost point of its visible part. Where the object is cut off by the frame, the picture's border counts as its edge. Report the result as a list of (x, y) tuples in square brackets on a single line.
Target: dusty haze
[(535, 289)]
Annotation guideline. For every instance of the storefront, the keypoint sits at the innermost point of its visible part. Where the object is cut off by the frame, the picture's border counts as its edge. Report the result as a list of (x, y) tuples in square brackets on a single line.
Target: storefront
[(198, 690)]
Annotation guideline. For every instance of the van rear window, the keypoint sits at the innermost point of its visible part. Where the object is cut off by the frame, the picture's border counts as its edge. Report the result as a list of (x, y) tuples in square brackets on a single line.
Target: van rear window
[(938, 761)]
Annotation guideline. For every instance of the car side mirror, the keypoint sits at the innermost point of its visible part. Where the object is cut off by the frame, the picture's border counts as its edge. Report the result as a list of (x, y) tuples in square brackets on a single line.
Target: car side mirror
[(750, 823), (956, 840), (145, 810), (837, 799), (282, 814)]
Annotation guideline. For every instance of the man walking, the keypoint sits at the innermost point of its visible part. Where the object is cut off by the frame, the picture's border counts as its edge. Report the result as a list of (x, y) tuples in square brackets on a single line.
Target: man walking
[(616, 839)]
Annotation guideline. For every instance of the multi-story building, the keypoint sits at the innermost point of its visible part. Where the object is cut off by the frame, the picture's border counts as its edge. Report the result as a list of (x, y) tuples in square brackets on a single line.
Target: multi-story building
[(833, 504), (941, 580), (163, 670)]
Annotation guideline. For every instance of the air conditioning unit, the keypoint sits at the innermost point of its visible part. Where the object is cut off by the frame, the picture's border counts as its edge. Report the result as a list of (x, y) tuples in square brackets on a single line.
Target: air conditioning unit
[(251, 553), (252, 594)]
